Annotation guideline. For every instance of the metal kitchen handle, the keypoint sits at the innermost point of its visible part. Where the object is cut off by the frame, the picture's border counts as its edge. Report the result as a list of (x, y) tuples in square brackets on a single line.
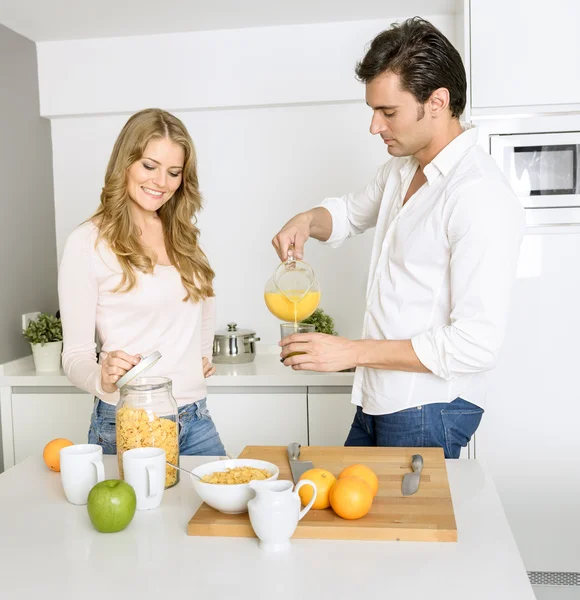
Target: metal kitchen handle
[(417, 463), (294, 451), (253, 339)]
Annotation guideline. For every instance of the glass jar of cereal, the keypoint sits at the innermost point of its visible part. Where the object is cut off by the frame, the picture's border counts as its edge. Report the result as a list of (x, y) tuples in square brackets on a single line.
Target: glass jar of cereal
[(147, 417)]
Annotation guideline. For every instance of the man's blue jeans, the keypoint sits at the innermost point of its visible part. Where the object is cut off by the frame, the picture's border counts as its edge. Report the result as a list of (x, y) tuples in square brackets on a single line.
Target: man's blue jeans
[(449, 425)]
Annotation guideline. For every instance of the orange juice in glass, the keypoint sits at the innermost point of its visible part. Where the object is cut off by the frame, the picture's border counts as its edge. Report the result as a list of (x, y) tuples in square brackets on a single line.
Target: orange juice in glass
[(287, 329)]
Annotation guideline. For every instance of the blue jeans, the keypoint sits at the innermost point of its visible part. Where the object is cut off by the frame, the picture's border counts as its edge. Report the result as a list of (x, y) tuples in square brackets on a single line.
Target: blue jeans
[(448, 425), (197, 432)]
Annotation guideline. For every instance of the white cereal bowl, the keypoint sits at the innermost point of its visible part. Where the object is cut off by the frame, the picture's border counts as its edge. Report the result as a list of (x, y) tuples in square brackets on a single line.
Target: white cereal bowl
[(231, 499)]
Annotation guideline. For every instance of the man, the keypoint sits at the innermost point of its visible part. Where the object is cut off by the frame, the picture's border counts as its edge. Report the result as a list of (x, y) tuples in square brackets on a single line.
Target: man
[(446, 246)]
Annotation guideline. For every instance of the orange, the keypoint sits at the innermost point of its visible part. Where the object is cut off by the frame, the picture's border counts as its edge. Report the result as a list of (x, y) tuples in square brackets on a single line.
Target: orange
[(51, 453), (351, 497), (323, 480), (363, 472)]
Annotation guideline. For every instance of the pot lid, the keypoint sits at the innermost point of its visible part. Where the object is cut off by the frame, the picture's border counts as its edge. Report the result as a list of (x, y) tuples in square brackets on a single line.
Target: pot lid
[(138, 369), (233, 332)]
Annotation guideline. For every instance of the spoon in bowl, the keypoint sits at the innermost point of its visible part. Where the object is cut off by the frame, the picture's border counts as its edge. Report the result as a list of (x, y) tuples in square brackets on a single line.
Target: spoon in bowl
[(184, 470)]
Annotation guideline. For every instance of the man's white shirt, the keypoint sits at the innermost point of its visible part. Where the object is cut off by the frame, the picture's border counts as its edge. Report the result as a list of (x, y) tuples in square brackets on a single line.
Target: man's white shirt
[(442, 269)]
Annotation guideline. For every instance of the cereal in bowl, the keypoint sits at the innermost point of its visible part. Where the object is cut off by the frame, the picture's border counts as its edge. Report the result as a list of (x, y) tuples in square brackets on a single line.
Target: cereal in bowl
[(236, 475)]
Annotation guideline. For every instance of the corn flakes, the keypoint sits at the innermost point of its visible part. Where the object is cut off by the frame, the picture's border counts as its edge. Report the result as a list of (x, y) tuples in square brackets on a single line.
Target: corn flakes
[(139, 428), (236, 475)]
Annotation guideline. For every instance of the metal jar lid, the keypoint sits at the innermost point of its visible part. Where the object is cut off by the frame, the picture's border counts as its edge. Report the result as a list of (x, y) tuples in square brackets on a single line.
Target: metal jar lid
[(140, 367), (233, 332)]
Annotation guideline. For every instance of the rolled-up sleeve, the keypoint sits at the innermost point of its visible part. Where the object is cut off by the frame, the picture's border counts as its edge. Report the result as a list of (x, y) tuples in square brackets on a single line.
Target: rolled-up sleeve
[(354, 213), (485, 230)]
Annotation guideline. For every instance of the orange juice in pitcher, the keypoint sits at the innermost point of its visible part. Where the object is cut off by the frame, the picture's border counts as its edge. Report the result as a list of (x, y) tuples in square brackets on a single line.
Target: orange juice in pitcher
[(296, 305), (292, 293)]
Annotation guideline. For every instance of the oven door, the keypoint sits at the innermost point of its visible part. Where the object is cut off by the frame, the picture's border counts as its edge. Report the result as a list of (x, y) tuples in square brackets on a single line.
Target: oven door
[(542, 168)]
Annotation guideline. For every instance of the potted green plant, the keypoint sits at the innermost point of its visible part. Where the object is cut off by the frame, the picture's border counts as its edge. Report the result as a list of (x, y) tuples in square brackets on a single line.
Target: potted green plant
[(45, 337), (322, 322)]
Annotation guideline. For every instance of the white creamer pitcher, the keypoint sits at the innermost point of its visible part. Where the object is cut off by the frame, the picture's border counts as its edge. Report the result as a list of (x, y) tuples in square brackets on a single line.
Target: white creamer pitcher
[(275, 512)]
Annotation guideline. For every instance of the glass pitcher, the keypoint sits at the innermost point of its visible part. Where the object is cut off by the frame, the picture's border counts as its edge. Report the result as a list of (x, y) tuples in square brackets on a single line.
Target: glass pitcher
[(292, 293), (147, 417)]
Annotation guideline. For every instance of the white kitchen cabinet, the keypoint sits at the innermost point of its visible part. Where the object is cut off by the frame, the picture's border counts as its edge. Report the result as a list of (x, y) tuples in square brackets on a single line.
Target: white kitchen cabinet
[(258, 416), (330, 415), (524, 53), (244, 415), (40, 417), (529, 435)]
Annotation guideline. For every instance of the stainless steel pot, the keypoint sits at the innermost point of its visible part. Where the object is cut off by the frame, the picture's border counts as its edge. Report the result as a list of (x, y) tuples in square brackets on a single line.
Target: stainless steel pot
[(234, 346)]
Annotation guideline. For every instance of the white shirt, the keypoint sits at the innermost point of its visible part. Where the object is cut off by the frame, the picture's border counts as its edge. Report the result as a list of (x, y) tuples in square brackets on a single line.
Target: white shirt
[(442, 269), (150, 317)]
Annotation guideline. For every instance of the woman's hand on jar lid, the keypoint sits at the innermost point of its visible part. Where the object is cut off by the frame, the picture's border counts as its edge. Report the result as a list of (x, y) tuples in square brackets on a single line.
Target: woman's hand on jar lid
[(208, 368), (114, 366)]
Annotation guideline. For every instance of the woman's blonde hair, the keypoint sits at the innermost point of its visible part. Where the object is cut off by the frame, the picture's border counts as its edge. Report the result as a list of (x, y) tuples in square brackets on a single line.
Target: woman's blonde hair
[(114, 219)]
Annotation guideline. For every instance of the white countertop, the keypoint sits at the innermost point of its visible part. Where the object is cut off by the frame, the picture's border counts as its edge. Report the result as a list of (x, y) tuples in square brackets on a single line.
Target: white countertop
[(50, 550), (265, 370)]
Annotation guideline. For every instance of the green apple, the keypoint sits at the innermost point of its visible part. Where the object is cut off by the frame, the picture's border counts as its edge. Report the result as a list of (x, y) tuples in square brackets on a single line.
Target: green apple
[(111, 505)]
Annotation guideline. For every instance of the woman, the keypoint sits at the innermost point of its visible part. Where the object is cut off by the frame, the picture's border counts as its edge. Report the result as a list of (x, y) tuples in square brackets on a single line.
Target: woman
[(136, 272)]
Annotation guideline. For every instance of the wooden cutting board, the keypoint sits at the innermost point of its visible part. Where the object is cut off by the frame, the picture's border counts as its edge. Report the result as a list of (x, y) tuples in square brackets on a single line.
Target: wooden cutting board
[(425, 516)]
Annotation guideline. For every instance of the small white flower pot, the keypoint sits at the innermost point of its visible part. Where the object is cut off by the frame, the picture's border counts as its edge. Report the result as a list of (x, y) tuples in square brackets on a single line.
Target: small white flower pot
[(47, 357)]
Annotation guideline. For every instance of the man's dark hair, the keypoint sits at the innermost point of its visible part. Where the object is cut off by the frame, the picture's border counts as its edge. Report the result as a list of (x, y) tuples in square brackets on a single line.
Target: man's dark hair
[(423, 58)]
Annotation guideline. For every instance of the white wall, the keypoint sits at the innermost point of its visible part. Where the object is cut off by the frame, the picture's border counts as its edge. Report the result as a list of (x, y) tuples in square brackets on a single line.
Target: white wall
[(257, 168), (246, 67), (27, 244), (259, 164)]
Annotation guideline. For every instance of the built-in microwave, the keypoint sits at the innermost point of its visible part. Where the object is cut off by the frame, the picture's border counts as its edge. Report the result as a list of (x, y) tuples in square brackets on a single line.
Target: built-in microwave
[(542, 168)]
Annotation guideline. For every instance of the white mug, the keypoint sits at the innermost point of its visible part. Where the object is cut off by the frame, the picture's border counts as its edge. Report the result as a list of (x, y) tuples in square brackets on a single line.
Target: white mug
[(144, 469), (81, 467)]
